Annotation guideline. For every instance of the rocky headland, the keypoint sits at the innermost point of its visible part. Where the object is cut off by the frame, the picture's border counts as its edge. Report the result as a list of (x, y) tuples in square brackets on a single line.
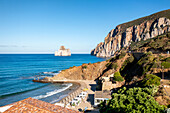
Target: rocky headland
[(141, 29)]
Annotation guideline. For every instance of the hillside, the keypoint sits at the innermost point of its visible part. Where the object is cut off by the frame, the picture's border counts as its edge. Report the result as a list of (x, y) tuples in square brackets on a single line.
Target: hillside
[(141, 70), (137, 60), (140, 29)]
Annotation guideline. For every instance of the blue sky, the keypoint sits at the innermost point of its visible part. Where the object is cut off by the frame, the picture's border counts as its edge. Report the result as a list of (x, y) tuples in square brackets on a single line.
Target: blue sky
[(42, 26)]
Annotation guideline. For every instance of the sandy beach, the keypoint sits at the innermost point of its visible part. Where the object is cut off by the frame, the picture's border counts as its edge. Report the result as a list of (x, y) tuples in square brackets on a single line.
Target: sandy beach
[(88, 101)]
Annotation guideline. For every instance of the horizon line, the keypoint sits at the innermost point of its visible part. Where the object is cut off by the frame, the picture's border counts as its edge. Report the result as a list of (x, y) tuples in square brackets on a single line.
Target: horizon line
[(39, 53)]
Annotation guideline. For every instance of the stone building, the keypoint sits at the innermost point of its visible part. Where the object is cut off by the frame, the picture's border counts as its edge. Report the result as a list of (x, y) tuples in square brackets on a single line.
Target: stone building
[(63, 52)]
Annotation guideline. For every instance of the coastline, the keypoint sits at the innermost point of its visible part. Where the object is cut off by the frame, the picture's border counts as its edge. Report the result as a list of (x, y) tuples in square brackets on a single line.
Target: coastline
[(74, 90), (82, 84)]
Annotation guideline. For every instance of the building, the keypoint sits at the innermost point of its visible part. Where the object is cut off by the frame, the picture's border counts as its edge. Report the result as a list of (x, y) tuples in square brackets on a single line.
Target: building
[(101, 96), (63, 52), (31, 105)]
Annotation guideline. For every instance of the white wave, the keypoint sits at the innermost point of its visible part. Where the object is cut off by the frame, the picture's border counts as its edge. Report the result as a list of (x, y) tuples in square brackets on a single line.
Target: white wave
[(53, 92), (47, 72), (62, 96), (51, 73)]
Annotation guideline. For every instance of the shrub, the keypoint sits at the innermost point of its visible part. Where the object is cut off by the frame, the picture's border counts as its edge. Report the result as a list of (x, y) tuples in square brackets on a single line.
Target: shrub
[(126, 62), (108, 64), (107, 60), (130, 59), (122, 55), (118, 77), (166, 64), (167, 59), (84, 67), (132, 100), (114, 66), (146, 68), (155, 65), (149, 53), (83, 76), (151, 80)]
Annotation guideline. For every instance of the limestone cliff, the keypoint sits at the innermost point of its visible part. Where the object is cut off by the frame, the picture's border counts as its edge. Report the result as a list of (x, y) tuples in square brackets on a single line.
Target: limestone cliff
[(140, 29)]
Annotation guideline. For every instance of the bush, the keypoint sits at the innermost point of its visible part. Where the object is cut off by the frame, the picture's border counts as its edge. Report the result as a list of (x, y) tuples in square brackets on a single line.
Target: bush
[(108, 64), (126, 62), (111, 65), (132, 100), (122, 55), (167, 59), (151, 80), (118, 77), (114, 66), (155, 65), (166, 64), (83, 77), (149, 53), (84, 67)]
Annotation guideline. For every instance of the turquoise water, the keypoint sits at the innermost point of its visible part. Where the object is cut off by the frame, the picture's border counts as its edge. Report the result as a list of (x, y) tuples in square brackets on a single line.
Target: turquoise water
[(18, 70)]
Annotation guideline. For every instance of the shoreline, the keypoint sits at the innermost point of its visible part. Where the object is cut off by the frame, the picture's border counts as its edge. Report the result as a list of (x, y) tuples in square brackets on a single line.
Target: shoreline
[(87, 102), (72, 94)]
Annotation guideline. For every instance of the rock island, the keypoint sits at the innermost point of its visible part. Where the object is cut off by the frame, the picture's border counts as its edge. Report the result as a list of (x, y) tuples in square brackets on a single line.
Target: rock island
[(63, 52)]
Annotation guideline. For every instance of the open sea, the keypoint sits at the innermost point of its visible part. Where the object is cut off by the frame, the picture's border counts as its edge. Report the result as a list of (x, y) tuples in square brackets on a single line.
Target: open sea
[(18, 70)]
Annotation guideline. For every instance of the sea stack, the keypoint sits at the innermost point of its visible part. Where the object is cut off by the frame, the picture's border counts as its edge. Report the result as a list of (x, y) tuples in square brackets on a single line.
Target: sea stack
[(63, 52)]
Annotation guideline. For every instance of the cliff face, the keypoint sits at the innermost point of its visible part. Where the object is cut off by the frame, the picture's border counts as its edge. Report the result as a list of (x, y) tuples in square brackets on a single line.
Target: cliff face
[(123, 35)]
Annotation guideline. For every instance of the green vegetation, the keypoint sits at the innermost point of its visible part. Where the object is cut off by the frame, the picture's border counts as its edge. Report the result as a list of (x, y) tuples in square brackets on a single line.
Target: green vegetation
[(84, 67), (122, 55), (136, 45), (129, 60), (150, 79), (112, 65), (83, 77), (161, 42), (166, 64), (167, 59), (118, 77), (155, 65), (132, 100), (108, 64)]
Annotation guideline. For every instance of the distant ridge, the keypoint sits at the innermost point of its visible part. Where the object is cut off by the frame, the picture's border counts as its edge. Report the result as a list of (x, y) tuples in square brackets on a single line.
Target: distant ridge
[(164, 13)]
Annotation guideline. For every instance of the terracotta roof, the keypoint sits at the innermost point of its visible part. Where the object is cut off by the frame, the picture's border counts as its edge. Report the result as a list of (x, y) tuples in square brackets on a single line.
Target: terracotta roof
[(31, 105)]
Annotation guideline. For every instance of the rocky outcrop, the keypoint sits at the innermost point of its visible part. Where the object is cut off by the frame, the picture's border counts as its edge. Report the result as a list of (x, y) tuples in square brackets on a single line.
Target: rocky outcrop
[(83, 72), (63, 52), (122, 36)]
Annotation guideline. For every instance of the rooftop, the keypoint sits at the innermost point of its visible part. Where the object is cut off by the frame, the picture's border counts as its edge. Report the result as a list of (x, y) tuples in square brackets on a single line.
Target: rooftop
[(33, 105), (102, 94)]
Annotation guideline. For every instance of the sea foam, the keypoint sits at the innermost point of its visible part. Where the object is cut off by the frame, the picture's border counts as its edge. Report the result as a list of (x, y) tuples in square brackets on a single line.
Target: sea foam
[(53, 92)]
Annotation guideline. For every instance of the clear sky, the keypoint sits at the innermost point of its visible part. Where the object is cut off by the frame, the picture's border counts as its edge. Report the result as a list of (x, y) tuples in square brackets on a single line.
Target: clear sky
[(42, 26)]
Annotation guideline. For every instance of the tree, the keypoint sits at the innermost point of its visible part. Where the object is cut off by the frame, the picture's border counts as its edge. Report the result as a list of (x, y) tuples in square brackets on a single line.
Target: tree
[(150, 79), (132, 100)]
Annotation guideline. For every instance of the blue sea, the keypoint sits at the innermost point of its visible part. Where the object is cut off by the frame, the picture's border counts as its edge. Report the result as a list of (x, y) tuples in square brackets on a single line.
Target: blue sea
[(18, 70)]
